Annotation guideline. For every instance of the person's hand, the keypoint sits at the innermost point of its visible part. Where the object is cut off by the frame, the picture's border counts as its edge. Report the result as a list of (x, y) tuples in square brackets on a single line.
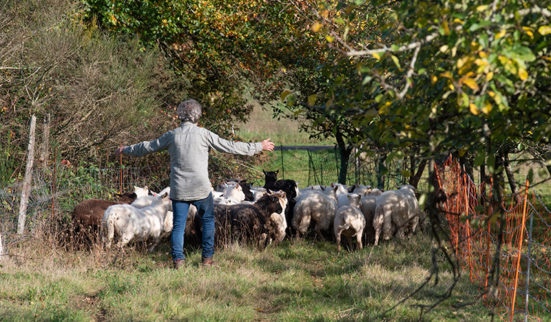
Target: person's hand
[(267, 145), (119, 150)]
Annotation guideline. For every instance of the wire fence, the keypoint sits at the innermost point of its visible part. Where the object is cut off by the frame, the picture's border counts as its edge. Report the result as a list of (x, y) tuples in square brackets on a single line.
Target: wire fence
[(523, 264)]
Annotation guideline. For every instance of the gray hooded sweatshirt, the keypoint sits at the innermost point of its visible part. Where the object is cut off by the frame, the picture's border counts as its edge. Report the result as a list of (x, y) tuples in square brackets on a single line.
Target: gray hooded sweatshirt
[(188, 146)]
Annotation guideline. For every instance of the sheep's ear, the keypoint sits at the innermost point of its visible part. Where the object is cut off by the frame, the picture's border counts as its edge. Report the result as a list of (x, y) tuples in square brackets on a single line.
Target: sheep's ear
[(277, 171), (264, 172)]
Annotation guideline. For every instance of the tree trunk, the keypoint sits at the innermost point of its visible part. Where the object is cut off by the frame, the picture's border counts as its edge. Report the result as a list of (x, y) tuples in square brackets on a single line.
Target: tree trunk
[(25, 192), (380, 169), (345, 156), (416, 177), (509, 172)]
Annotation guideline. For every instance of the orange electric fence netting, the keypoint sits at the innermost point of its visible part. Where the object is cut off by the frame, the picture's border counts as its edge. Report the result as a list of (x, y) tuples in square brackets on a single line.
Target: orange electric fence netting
[(524, 287)]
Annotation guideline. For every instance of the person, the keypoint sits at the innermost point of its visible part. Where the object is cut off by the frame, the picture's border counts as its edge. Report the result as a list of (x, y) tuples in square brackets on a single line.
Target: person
[(188, 146)]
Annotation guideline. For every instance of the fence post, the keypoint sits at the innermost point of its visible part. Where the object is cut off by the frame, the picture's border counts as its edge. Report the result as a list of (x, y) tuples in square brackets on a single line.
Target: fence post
[(120, 163), (519, 251), (25, 192), (528, 267)]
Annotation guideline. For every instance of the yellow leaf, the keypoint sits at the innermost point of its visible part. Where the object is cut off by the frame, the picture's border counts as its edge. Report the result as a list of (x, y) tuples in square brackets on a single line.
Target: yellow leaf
[(325, 14), (312, 99), (481, 62), (457, 20), (376, 56), (474, 109), (446, 28), (285, 94), (446, 74), (482, 8), (434, 79), (501, 33), (487, 108), (451, 87), (471, 83), (316, 26), (329, 38), (528, 31), (483, 54), (544, 30), (522, 73), (489, 76)]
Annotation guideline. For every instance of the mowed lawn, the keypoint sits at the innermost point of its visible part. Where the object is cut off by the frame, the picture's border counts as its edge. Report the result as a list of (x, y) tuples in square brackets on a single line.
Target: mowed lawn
[(297, 280)]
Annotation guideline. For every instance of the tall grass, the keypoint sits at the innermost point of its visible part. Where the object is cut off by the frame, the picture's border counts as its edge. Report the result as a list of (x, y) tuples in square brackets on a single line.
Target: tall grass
[(299, 280)]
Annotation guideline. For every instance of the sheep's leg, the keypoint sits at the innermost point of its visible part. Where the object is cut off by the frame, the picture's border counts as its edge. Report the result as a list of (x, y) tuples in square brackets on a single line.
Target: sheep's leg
[(359, 238), (338, 238), (319, 234), (414, 223), (387, 224), (125, 239), (377, 226), (303, 226), (262, 243), (155, 243)]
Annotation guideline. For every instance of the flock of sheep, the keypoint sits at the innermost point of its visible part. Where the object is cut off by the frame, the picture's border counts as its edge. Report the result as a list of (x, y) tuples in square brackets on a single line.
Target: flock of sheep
[(260, 215)]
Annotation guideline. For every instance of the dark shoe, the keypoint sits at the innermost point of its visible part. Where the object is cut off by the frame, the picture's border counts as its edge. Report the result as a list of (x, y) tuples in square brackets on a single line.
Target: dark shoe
[(207, 261), (178, 263)]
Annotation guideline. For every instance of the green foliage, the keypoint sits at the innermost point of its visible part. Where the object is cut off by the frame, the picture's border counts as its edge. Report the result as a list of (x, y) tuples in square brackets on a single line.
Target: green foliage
[(100, 91)]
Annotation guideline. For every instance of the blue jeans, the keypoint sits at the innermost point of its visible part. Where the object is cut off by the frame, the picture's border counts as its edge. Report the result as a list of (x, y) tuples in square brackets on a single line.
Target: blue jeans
[(205, 210)]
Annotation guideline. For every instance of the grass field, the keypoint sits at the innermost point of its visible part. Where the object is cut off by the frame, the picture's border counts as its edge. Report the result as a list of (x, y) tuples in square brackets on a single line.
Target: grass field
[(298, 280), (262, 125)]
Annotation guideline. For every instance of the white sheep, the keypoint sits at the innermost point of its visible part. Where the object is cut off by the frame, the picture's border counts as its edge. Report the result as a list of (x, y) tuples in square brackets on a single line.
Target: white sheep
[(396, 211), (349, 221), (141, 192), (132, 223), (317, 206), (233, 194), (368, 204)]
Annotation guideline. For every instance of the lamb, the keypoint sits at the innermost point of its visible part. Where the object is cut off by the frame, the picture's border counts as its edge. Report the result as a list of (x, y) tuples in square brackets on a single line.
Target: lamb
[(349, 221), (246, 222), (317, 206), (397, 211), (132, 223)]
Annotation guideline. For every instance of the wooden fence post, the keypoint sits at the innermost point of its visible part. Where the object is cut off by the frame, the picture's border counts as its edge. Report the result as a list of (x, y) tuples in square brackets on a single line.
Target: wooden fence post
[(25, 192)]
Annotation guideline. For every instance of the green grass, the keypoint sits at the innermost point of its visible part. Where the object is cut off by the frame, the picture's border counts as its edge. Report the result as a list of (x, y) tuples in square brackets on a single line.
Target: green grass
[(261, 125), (298, 280)]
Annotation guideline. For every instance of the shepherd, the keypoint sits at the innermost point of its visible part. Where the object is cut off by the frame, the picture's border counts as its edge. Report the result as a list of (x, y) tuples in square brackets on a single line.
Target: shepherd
[(188, 146)]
